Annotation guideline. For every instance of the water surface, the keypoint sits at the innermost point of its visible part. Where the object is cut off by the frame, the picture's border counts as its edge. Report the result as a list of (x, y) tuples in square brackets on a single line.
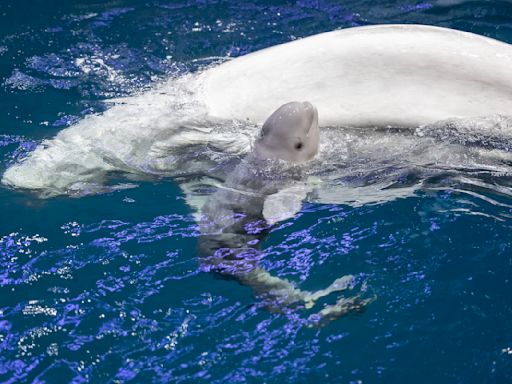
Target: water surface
[(108, 288)]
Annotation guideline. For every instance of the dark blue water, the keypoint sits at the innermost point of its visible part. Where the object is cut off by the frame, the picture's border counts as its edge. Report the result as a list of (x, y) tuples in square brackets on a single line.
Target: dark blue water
[(107, 288)]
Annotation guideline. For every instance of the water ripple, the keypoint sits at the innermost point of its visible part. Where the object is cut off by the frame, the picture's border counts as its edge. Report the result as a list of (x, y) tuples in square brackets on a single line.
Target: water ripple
[(103, 292)]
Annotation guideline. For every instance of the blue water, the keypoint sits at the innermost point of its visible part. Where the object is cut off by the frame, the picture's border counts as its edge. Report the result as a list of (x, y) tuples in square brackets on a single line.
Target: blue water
[(108, 287)]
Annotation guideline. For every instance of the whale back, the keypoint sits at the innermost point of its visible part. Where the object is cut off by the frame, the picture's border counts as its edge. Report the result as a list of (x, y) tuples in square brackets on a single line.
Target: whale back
[(398, 75)]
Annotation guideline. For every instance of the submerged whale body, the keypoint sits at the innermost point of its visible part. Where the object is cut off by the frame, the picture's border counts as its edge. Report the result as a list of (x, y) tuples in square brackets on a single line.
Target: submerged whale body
[(378, 76)]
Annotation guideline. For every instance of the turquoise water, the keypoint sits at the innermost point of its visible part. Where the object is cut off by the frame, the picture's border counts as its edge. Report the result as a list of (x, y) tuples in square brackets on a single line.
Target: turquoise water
[(109, 288)]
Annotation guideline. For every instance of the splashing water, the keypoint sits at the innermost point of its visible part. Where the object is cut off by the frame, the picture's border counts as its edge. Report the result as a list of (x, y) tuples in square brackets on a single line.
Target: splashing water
[(109, 287)]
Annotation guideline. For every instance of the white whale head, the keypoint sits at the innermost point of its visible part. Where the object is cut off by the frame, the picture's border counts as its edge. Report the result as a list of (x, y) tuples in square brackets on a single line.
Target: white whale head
[(291, 133)]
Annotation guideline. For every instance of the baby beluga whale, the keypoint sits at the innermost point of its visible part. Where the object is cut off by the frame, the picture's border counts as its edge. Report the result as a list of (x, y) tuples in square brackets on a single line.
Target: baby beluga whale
[(236, 218)]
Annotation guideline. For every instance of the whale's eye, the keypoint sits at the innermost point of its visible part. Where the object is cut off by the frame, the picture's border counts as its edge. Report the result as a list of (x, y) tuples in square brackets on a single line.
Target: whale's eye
[(298, 146)]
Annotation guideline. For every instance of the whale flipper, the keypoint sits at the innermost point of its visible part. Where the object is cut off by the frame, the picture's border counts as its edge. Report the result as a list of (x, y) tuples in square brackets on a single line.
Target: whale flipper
[(285, 203)]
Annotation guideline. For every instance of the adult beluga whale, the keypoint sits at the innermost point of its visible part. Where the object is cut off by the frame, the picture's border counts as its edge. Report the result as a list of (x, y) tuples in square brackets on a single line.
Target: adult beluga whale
[(397, 75), (236, 218), (378, 76)]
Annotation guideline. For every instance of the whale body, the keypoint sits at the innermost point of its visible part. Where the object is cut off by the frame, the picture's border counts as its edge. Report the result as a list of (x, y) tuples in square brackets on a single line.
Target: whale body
[(379, 76), (396, 75)]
